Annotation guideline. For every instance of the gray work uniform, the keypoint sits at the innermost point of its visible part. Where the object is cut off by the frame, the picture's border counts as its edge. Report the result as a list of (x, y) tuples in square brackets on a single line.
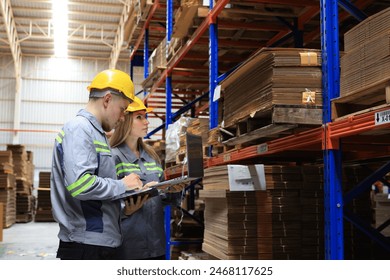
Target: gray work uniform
[(83, 180), (143, 231)]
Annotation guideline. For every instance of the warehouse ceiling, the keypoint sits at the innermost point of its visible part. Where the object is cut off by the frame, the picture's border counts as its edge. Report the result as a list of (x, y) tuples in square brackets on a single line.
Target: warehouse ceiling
[(94, 28), (109, 29)]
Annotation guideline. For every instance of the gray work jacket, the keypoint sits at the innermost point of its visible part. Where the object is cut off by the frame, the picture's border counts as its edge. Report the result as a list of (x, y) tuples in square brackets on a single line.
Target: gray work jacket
[(143, 231), (82, 182)]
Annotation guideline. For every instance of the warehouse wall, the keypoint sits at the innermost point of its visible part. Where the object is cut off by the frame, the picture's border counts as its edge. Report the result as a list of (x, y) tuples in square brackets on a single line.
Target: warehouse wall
[(52, 92)]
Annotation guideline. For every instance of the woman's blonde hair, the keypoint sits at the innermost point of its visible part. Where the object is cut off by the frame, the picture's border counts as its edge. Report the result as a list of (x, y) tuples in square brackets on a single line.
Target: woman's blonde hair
[(123, 130)]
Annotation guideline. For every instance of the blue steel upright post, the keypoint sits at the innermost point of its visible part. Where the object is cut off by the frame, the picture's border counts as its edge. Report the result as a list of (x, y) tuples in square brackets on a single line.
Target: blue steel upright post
[(146, 55), (213, 69), (333, 201), (168, 121)]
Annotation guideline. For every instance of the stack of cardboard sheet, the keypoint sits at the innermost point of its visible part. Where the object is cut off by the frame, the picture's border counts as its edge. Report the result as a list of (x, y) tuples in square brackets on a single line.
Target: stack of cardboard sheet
[(30, 167), (215, 178), (43, 212), (199, 126), (6, 163), (365, 65), (230, 225), (230, 217), (20, 158), (279, 214), (289, 214), (7, 189), (312, 203), (1, 221), (184, 18), (24, 174), (277, 85), (25, 206), (158, 58)]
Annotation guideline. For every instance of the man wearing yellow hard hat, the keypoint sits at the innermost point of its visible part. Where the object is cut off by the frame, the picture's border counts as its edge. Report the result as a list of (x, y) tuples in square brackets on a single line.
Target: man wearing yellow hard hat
[(83, 178)]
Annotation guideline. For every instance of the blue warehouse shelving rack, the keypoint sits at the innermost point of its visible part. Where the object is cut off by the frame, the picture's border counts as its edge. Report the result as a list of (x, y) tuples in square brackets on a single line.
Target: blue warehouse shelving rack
[(334, 135)]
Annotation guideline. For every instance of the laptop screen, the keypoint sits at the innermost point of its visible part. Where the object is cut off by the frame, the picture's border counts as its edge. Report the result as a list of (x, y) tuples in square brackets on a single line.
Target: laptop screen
[(194, 155)]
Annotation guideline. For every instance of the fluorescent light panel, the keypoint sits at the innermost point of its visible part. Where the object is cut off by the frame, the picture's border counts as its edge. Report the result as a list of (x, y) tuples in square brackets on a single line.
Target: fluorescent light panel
[(60, 24)]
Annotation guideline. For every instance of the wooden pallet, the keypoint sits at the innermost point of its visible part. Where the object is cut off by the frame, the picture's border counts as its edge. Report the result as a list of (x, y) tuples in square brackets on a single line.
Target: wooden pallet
[(361, 101), (283, 120)]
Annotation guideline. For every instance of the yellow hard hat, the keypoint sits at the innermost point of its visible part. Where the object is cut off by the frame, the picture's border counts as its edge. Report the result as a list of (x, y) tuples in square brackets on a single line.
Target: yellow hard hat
[(115, 79), (138, 105)]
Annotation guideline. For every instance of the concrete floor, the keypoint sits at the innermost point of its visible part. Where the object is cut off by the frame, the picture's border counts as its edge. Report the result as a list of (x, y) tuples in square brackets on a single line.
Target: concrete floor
[(30, 241)]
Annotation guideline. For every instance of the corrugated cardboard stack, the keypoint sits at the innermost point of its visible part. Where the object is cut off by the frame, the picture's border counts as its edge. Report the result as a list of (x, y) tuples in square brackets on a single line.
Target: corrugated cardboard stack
[(184, 18), (283, 86), (43, 212), (366, 62), (279, 214), (7, 189), (199, 126), (158, 58), (312, 203), (24, 173), (230, 218), (1, 221), (283, 219)]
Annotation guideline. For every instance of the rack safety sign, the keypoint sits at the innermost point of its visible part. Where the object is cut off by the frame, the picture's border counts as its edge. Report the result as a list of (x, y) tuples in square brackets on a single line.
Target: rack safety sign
[(382, 117)]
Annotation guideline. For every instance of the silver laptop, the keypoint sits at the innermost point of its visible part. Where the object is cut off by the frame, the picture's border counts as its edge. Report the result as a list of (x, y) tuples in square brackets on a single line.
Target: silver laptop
[(193, 160)]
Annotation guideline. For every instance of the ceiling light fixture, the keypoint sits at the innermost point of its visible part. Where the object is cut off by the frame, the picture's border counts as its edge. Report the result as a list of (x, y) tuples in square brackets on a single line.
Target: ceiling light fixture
[(60, 26)]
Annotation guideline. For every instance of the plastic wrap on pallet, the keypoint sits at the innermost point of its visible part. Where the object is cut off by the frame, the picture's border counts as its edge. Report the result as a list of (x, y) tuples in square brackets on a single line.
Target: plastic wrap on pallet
[(172, 141)]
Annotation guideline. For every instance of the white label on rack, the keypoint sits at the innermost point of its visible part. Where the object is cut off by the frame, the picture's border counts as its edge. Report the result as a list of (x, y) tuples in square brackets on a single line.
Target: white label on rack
[(227, 157), (382, 117), (262, 148), (217, 93)]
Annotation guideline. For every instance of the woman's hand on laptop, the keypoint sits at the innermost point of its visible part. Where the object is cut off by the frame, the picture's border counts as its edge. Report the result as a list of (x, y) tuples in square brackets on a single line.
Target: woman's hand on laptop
[(150, 184), (132, 182)]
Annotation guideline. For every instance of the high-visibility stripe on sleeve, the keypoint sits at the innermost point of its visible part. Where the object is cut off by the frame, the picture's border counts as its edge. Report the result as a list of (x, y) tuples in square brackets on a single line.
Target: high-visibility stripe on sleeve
[(152, 166), (126, 167), (127, 171), (126, 164), (81, 184), (154, 169), (60, 136), (101, 147)]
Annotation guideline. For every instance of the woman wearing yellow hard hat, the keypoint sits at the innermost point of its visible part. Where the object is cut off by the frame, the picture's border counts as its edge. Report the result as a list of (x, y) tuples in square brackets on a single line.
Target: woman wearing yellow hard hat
[(143, 231)]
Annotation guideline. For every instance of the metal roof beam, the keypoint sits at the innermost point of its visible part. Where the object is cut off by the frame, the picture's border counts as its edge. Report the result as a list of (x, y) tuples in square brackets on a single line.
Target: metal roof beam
[(119, 37), (9, 22)]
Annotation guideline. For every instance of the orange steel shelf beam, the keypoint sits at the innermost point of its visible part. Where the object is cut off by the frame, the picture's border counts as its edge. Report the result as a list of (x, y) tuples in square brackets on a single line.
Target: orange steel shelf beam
[(211, 17), (146, 25), (341, 128), (355, 125), (300, 140)]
